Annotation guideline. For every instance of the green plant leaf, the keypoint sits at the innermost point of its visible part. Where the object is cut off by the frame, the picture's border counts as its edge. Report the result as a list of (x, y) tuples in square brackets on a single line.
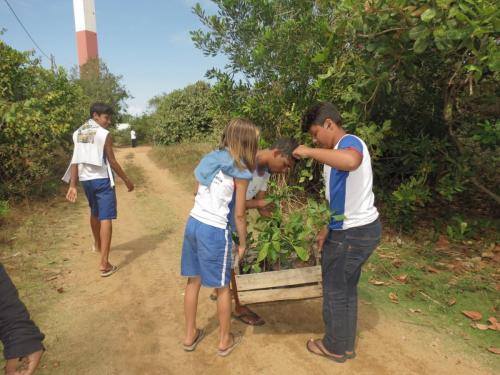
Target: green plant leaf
[(301, 253), (428, 15), (263, 252)]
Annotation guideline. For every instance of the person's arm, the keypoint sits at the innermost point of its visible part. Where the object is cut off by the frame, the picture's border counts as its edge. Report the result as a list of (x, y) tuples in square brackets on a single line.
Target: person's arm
[(343, 160), (240, 215), (108, 147), (321, 237), (259, 203), (72, 193)]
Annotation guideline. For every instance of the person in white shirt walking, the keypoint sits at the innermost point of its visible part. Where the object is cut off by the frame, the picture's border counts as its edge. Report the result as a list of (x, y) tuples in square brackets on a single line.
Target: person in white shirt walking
[(92, 163), (133, 138)]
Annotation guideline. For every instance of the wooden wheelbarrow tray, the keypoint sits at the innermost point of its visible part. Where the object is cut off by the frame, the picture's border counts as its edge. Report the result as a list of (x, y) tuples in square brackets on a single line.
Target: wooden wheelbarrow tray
[(292, 284)]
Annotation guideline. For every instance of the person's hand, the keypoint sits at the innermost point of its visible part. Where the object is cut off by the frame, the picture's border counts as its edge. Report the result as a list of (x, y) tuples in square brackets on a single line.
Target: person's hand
[(301, 152), (72, 194), (263, 204), (321, 237), (130, 185), (28, 365), (241, 252)]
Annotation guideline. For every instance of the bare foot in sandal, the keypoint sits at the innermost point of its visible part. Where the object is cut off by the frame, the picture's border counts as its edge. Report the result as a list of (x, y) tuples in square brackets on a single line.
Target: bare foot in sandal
[(247, 316), (235, 341), (317, 347)]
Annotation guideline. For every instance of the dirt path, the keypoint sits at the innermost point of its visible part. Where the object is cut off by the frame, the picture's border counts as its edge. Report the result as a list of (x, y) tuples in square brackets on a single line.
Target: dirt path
[(132, 322)]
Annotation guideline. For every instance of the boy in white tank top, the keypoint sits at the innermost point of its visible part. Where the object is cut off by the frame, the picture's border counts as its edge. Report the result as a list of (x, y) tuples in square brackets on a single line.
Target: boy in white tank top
[(93, 163)]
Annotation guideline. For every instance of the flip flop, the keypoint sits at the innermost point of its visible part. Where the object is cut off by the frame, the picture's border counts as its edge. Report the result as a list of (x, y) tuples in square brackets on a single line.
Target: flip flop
[(236, 341), (200, 334), (109, 271), (323, 352), (350, 356), (258, 320)]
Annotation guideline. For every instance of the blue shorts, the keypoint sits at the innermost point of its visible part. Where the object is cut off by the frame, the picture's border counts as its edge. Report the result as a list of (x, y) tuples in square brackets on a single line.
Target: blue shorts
[(206, 252), (101, 197)]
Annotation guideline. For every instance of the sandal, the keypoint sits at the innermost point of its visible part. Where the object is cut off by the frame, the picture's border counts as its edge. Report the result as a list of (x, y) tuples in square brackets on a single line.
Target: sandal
[(200, 334), (350, 355), (250, 318), (109, 271), (236, 341), (323, 352)]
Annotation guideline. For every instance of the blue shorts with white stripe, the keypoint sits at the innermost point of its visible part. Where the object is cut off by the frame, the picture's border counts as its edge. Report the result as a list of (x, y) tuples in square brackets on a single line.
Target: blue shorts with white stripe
[(206, 252)]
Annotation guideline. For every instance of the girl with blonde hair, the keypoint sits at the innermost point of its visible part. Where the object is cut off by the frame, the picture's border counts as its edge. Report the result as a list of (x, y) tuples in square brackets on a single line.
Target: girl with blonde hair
[(223, 176)]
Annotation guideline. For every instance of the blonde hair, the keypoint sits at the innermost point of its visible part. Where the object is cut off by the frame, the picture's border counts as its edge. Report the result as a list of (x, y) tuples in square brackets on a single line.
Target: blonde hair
[(240, 137)]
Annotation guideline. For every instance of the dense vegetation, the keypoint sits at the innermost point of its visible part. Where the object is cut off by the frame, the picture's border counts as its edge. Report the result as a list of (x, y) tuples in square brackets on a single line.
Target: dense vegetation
[(418, 80), (39, 110)]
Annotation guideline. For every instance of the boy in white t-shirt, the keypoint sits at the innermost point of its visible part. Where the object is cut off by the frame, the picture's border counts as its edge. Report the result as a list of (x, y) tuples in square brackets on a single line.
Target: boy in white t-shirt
[(276, 159), (92, 164), (354, 229)]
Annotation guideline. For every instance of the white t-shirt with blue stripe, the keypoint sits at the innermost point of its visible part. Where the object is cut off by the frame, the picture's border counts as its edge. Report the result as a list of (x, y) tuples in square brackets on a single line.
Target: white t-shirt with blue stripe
[(214, 204), (350, 194)]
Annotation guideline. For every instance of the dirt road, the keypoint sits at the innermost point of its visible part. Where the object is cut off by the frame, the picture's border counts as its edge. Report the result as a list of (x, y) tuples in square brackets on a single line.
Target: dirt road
[(132, 322)]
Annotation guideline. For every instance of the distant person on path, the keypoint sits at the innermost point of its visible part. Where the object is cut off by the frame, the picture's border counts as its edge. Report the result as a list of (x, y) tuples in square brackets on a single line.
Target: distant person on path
[(276, 159), (353, 232), (223, 177), (92, 163), (133, 138), (21, 338)]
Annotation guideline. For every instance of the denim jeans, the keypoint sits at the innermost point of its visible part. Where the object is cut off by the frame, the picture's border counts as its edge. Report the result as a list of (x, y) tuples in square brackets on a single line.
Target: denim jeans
[(344, 252)]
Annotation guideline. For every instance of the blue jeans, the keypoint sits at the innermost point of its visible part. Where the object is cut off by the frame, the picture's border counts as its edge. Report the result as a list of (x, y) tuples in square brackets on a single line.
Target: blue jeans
[(344, 252)]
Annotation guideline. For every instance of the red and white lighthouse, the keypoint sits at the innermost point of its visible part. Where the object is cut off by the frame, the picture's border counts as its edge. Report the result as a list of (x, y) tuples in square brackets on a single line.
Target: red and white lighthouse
[(86, 35)]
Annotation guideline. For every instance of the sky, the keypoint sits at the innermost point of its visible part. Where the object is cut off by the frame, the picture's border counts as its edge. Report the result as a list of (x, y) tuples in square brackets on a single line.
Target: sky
[(146, 41)]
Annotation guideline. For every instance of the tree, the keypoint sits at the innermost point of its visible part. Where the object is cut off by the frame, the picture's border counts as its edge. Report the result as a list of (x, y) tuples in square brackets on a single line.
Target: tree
[(182, 114), (100, 85), (38, 111), (417, 79)]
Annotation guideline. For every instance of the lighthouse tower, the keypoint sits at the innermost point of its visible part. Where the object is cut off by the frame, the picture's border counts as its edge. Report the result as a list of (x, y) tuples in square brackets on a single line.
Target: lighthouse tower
[(85, 25)]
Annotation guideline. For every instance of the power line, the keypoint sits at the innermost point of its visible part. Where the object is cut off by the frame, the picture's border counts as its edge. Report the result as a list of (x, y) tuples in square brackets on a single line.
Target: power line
[(27, 32)]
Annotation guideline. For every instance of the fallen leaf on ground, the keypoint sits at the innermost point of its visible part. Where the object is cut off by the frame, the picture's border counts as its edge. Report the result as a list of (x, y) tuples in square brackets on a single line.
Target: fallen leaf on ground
[(442, 242), (376, 282), (393, 297), (474, 315), (494, 324), (415, 310), (481, 327), (396, 263), (452, 301), (492, 320), (431, 269), (494, 350), (487, 255), (402, 278)]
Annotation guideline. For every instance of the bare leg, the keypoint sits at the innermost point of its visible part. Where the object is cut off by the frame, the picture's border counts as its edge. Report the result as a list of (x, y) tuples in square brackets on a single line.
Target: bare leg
[(105, 235), (224, 312), (246, 315), (190, 306), (95, 224)]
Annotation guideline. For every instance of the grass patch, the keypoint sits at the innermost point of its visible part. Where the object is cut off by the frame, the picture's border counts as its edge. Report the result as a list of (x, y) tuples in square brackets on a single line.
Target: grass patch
[(432, 290), (135, 173), (31, 238), (181, 159)]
